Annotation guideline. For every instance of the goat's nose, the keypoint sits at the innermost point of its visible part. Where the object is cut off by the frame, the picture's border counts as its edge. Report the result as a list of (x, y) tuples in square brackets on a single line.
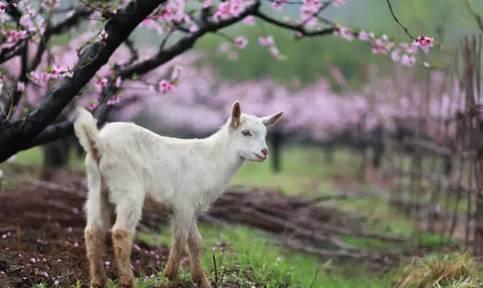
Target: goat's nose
[(265, 151)]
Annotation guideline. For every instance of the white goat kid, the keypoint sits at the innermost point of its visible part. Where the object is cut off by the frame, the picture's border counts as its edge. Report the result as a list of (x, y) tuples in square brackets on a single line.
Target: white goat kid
[(127, 164)]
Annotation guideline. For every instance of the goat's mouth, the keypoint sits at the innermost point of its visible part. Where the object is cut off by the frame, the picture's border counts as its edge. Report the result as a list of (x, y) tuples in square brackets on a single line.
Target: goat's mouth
[(261, 158)]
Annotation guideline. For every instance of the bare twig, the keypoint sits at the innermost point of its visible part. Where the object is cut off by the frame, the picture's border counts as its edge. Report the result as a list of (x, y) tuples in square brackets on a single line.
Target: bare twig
[(397, 20), (479, 20)]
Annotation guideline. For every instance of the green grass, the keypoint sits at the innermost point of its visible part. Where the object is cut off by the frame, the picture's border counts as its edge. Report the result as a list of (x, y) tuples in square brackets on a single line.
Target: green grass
[(305, 171), (35, 157), (250, 258)]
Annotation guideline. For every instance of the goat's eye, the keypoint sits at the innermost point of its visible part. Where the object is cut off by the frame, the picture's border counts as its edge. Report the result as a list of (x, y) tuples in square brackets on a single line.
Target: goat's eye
[(246, 133)]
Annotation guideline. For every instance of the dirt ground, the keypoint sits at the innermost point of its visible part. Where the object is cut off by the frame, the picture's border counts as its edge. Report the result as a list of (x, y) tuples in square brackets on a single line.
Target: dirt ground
[(41, 237), (41, 230)]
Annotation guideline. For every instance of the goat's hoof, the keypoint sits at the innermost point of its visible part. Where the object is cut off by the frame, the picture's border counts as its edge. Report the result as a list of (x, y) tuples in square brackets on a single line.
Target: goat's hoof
[(202, 282), (98, 283), (128, 283), (172, 276), (174, 283)]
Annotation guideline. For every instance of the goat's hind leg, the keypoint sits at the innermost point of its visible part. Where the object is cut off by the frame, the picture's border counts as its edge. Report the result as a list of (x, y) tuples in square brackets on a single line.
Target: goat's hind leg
[(128, 215), (98, 212)]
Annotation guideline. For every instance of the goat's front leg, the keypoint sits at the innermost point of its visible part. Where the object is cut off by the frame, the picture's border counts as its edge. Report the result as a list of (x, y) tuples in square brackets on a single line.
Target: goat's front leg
[(177, 249), (195, 249)]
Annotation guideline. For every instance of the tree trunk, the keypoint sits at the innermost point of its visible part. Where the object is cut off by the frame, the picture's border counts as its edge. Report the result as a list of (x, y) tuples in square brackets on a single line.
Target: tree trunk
[(276, 141), (56, 156), (378, 148)]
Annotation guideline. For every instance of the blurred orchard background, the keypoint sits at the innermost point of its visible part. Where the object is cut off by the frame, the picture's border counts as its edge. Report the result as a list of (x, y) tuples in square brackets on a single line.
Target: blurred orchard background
[(375, 173)]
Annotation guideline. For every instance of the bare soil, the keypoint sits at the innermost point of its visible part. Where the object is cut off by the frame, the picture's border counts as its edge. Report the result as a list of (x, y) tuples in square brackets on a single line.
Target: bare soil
[(41, 237)]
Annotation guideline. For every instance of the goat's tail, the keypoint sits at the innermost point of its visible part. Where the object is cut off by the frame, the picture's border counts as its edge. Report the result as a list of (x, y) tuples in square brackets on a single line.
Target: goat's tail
[(86, 130)]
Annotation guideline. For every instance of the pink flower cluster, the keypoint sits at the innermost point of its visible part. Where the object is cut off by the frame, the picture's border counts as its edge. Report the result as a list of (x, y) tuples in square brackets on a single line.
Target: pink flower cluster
[(403, 53), (269, 42), (165, 86), (240, 42), (172, 12), (55, 72), (308, 11), (13, 36), (31, 20), (423, 42), (228, 9)]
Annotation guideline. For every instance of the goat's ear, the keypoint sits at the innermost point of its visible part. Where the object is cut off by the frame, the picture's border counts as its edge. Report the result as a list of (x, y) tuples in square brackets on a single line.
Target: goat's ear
[(272, 119), (235, 115)]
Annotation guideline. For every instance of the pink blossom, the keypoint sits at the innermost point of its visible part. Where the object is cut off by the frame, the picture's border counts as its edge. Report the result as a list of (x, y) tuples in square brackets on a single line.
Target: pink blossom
[(165, 86), (395, 55), (20, 86), (308, 11), (344, 33), (223, 11), (423, 42), (172, 12), (39, 77), (118, 82), (207, 3), (93, 103), (13, 36), (409, 49), (228, 9), (3, 7), (278, 4), (266, 41), (240, 42), (379, 46), (101, 83), (59, 71), (113, 100), (363, 35), (249, 20), (194, 28), (276, 53), (102, 36), (153, 24), (408, 60), (339, 2)]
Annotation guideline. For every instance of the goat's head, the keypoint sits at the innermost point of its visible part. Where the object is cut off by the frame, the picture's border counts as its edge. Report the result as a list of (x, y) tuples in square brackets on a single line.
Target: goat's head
[(248, 133)]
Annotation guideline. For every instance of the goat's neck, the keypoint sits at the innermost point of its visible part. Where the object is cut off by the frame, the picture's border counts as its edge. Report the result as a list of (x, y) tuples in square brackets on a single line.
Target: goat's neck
[(227, 160)]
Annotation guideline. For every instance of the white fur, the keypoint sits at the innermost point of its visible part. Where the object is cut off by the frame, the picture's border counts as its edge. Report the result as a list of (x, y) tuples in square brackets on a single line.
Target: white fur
[(187, 175)]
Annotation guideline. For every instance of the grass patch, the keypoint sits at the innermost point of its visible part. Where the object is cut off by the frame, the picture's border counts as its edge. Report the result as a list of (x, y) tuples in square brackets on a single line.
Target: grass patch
[(306, 170), (247, 257), (450, 270)]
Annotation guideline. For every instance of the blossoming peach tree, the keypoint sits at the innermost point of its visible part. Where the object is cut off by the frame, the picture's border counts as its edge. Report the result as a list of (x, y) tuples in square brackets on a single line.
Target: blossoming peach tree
[(56, 54)]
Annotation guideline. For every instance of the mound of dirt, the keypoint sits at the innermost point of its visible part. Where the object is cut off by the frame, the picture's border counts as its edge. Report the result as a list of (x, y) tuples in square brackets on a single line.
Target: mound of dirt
[(41, 237)]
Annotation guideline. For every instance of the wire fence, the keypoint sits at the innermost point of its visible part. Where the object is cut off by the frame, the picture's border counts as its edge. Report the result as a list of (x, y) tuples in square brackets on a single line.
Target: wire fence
[(435, 159)]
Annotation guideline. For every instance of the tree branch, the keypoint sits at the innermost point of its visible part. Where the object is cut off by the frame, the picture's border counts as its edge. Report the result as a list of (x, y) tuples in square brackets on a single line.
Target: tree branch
[(17, 134), (63, 129), (165, 55), (477, 17), (295, 27), (58, 28), (397, 20)]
